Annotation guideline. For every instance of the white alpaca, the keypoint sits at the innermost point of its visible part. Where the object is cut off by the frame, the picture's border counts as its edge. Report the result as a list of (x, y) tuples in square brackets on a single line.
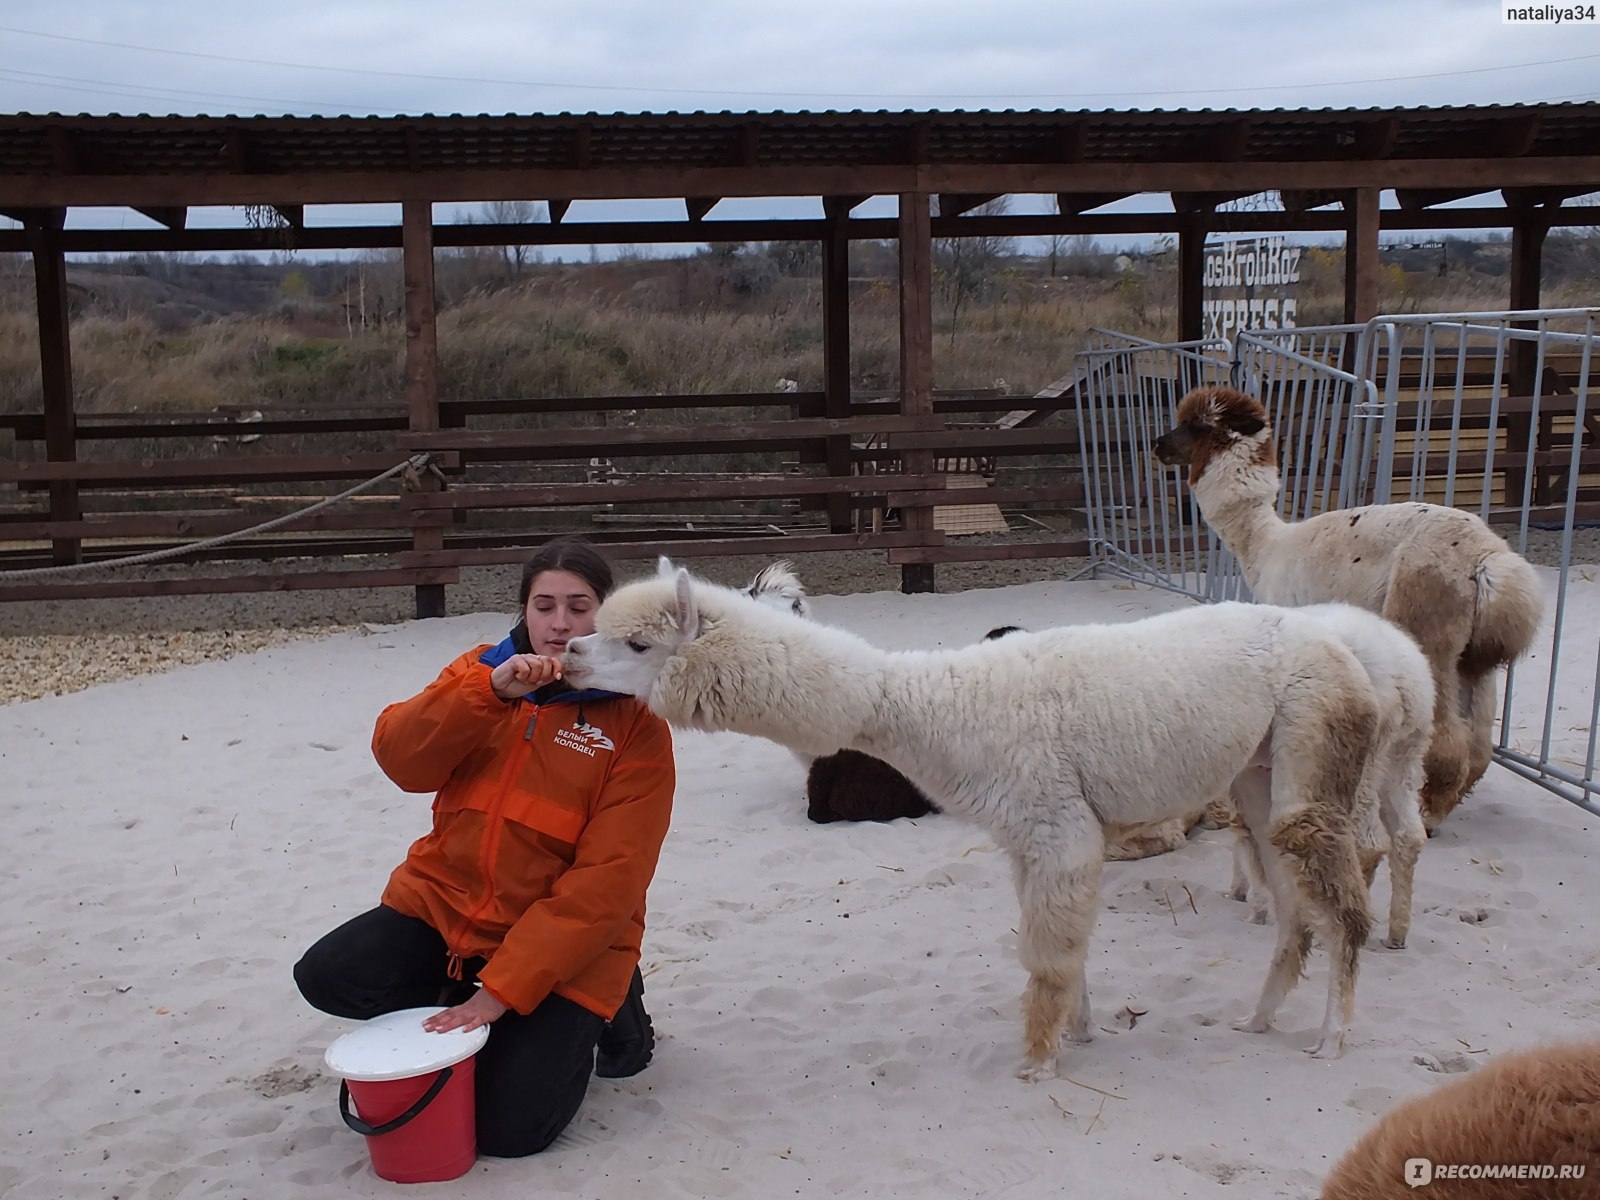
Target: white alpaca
[(1471, 602), (1046, 738), (1388, 820), (854, 788)]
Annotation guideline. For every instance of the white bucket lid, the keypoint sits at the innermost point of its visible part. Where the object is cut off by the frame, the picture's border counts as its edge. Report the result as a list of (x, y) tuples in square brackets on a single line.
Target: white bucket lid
[(396, 1046)]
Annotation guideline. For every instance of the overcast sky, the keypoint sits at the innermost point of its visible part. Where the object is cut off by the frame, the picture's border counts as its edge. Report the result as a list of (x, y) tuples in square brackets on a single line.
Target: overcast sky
[(407, 57), (401, 56)]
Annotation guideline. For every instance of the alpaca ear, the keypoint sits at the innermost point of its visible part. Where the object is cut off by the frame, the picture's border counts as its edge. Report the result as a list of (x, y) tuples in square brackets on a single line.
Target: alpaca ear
[(688, 612), (1244, 423), (664, 568)]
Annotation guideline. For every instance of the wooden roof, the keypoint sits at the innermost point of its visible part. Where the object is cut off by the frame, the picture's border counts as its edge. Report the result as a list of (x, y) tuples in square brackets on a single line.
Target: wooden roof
[(54, 160)]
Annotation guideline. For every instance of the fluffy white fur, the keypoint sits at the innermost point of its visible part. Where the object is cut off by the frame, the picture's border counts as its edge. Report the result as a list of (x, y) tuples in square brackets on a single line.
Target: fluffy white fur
[(841, 786), (1045, 739), (1388, 820), (1470, 601), (777, 586)]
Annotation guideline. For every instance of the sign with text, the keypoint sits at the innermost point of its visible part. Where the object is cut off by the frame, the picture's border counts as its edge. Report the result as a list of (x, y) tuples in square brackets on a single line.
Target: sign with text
[(1249, 284)]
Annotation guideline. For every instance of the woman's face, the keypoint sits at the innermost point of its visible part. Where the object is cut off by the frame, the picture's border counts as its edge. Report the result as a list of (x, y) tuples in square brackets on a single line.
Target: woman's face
[(561, 606)]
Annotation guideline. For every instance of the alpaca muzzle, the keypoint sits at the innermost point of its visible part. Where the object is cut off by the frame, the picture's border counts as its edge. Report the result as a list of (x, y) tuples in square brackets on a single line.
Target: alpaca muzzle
[(1174, 448)]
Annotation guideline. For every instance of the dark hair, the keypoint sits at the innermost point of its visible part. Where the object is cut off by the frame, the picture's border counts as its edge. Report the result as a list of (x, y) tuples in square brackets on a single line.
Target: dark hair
[(566, 554)]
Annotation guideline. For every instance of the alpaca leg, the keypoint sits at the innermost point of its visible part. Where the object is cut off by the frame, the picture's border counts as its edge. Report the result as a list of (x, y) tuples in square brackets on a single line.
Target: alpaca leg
[(1327, 876), (1480, 701), (1058, 901), (1436, 607), (1403, 823), (1252, 799)]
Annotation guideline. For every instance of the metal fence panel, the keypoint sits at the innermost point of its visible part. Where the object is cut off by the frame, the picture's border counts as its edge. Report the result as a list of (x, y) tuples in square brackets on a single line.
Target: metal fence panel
[(1485, 411)]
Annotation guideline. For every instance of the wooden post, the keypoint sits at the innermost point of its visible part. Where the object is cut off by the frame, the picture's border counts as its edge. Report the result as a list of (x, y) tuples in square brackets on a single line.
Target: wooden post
[(422, 369), (916, 360), (1191, 273), (836, 350), (1361, 256), (1530, 225), (55, 369)]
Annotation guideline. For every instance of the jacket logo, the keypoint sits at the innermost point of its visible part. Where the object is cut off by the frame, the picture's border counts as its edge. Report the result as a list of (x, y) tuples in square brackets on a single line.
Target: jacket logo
[(584, 738)]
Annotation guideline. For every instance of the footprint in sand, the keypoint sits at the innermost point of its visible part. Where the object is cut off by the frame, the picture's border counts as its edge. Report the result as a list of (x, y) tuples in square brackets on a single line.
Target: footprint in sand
[(1446, 1062)]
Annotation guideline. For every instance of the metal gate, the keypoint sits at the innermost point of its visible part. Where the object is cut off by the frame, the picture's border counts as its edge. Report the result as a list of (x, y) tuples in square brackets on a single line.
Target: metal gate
[(1485, 411)]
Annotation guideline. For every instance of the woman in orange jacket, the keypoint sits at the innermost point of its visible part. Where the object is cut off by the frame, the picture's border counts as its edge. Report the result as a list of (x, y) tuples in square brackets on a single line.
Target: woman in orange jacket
[(523, 908)]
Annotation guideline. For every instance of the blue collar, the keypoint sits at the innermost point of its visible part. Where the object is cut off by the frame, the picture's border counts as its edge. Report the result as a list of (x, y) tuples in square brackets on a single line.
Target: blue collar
[(559, 692)]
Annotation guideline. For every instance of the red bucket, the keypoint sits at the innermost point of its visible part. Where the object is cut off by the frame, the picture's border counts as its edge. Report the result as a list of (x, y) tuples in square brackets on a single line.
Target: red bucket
[(413, 1095)]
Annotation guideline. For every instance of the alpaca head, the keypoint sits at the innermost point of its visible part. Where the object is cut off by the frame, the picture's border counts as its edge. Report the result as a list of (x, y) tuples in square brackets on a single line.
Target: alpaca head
[(777, 586), (640, 627), (710, 657), (1213, 421)]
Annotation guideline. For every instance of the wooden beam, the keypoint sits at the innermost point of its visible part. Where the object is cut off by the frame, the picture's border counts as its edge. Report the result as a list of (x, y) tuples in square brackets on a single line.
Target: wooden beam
[(1299, 200), (583, 147), (1518, 135), (348, 237), (1197, 202), (1230, 140), (918, 138), (33, 191), (951, 205), (698, 206), (916, 360), (293, 215), (1412, 199), (236, 156), (1527, 249), (1191, 273), (422, 369), (36, 218), (836, 346), (192, 586), (840, 206), (558, 209), (1361, 256), (749, 145), (1072, 142), (55, 368), (65, 150), (1527, 197), (171, 217), (1376, 139), (1074, 203)]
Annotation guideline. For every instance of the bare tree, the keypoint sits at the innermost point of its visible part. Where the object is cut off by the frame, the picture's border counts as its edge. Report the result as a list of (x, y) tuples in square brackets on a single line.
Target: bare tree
[(966, 264), (516, 212)]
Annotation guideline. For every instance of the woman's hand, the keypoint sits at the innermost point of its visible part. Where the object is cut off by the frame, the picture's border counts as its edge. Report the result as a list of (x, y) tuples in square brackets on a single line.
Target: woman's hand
[(480, 1010), (523, 673)]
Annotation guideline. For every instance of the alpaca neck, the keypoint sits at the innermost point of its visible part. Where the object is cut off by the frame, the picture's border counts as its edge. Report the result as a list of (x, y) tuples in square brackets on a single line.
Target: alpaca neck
[(1239, 501), (813, 689)]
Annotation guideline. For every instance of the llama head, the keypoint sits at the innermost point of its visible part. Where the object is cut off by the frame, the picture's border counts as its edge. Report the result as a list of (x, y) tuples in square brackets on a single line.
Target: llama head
[(777, 586), (1213, 421)]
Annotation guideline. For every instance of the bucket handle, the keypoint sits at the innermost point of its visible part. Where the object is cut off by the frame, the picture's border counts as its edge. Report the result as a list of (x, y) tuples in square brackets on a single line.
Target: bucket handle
[(423, 1101)]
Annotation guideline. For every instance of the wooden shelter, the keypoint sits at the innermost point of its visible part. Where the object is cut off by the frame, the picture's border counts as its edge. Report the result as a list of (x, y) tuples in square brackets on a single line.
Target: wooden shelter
[(1330, 167)]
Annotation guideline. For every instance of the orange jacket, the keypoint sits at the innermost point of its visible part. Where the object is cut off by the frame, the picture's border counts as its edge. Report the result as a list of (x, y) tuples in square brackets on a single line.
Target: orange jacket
[(546, 830)]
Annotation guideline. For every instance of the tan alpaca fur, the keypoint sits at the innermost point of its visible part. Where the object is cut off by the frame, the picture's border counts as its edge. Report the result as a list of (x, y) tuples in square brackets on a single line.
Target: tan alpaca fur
[(1536, 1107), (1441, 574)]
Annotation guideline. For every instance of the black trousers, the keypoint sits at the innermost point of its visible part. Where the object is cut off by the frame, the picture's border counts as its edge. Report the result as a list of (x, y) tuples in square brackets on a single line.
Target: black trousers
[(533, 1071)]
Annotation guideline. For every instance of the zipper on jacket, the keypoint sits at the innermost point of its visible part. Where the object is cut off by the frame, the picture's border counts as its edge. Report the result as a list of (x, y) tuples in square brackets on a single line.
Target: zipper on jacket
[(490, 844), (452, 968)]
